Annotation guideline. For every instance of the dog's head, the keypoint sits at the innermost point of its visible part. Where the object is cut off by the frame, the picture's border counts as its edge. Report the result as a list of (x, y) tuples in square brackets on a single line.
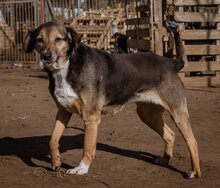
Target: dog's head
[(54, 42)]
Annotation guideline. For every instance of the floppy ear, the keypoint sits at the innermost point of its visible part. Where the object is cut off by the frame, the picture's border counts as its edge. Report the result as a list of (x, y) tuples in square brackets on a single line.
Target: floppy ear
[(29, 42), (73, 37)]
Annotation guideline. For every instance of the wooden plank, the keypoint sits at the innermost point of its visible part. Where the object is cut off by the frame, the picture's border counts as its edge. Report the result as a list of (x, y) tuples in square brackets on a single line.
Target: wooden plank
[(138, 33), (196, 17), (214, 65), (158, 19), (141, 44), (204, 81), (196, 81), (215, 80), (202, 66), (152, 24), (193, 2), (137, 21), (199, 34), (202, 50), (195, 66)]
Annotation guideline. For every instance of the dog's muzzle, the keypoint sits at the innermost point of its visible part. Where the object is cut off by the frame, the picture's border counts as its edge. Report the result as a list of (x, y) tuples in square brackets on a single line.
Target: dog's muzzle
[(46, 57), (48, 60)]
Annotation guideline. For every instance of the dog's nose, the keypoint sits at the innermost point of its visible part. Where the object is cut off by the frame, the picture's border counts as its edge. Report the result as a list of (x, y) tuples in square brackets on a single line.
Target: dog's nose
[(47, 56)]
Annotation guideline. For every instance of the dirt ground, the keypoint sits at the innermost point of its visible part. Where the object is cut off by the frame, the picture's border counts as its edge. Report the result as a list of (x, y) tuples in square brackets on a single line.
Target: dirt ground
[(125, 147)]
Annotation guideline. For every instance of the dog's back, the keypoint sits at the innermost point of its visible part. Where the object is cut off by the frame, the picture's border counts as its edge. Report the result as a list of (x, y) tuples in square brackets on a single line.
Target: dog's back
[(122, 76)]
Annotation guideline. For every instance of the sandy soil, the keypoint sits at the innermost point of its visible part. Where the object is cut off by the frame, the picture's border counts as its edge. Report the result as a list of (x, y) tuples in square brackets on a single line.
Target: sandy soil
[(125, 147)]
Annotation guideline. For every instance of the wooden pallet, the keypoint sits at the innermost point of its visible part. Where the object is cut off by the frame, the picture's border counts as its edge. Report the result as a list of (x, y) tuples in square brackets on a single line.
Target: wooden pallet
[(201, 40), (95, 28), (201, 74), (146, 30), (138, 30), (201, 81)]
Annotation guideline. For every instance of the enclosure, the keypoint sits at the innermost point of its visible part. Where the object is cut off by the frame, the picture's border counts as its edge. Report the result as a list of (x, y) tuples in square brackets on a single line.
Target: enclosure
[(146, 23), (126, 147)]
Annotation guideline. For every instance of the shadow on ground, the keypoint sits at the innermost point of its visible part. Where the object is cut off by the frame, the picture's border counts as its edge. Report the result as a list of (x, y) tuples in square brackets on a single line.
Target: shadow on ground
[(29, 148)]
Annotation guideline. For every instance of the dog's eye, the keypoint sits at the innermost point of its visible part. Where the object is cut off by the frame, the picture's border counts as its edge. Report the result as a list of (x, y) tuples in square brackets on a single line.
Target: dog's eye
[(39, 40), (58, 39)]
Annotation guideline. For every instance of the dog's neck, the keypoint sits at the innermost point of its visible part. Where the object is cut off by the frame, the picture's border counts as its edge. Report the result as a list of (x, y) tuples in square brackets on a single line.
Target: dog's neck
[(55, 75), (63, 91), (59, 75), (70, 70)]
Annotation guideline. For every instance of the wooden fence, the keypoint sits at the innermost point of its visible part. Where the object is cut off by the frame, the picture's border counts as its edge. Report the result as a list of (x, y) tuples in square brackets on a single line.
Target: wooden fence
[(95, 26), (200, 30), (146, 29), (199, 23)]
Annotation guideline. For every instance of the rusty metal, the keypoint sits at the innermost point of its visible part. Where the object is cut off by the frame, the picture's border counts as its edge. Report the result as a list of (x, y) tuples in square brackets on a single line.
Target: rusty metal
[(16, 19)]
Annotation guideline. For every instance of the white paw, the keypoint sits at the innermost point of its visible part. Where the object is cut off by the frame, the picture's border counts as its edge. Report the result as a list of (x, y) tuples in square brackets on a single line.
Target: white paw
[(79, 170)]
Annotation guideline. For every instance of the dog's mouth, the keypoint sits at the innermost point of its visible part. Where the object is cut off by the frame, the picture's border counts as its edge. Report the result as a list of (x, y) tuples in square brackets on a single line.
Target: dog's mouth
[(52, 65)]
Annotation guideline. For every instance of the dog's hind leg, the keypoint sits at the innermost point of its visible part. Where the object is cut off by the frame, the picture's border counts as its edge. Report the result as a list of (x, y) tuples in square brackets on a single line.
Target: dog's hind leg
[(181, 119), (151, 114), (62, 119)]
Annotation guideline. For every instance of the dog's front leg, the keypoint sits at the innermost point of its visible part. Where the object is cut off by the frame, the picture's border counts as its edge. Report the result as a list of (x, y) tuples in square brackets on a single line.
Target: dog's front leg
[(91, 123), (62, 119)]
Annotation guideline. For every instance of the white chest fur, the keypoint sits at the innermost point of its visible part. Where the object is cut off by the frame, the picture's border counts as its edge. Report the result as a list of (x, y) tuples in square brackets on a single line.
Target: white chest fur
[(64, 93)]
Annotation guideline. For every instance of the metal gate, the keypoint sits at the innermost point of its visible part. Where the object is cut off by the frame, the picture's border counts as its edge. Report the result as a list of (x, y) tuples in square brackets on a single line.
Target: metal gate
[(16, 18)]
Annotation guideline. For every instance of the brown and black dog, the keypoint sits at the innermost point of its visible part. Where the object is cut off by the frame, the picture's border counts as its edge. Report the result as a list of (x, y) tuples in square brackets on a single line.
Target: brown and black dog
[(91, 82)]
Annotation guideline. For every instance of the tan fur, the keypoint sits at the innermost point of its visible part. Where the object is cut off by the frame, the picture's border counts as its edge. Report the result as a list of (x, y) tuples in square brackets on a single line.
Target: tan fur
[(151, 114), (91, 123), (78, 106), (62, 118)]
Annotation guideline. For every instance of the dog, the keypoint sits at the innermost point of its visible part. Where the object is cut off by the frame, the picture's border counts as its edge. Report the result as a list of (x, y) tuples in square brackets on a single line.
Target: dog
[(92, 82)]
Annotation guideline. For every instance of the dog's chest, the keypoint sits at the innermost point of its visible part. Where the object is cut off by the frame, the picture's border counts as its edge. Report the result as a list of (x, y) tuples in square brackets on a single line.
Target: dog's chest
[(63, 92)]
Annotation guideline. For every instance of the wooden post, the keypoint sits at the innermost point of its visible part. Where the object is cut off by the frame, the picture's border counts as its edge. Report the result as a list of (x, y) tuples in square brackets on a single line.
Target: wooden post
[(210, 79), (181, 29), (158, 20), (42, 11), (218, 41), (152, 25)]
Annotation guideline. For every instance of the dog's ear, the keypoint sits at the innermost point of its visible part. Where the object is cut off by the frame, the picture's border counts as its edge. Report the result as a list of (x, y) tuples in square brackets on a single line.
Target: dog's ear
[(73, 37), (29, 41)]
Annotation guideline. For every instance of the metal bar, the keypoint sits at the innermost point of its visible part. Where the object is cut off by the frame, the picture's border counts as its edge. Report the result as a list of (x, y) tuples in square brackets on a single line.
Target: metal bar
[(16, 2), (34, 21), (42, 11), (20, 16), (24, 23), (17, 28), (29, 17)]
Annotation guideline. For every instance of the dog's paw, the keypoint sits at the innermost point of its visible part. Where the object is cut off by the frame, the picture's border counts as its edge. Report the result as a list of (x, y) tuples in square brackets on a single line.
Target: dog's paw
[(79, 170), (56, 162), (193, 174)]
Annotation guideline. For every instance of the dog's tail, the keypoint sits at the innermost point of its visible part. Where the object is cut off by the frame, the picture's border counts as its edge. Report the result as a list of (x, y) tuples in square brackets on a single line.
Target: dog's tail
[(181, 58)]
